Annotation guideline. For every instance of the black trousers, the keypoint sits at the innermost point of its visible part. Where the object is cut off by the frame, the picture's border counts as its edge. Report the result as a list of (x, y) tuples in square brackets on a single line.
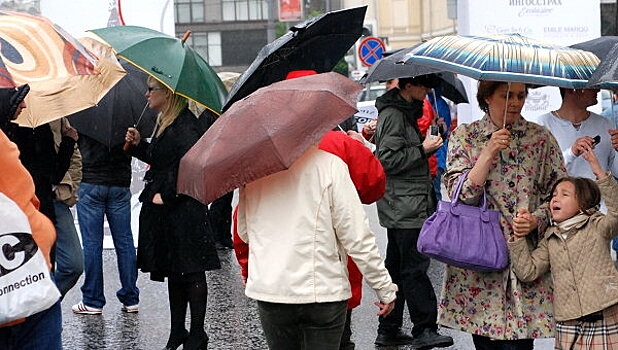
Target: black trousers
[(346, 337), (316, 326), (485, 343), (408, 269)]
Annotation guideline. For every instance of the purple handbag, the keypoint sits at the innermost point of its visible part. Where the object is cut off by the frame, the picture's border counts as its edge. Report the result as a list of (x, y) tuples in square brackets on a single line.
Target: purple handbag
[(465, 236)]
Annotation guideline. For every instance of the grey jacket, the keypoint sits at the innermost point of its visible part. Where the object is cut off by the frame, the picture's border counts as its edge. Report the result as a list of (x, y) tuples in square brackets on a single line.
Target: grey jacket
[(409, 199)]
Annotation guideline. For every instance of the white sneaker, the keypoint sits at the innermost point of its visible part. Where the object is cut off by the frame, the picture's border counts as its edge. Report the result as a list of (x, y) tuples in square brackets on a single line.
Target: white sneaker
[(130, 308), (82, 309)]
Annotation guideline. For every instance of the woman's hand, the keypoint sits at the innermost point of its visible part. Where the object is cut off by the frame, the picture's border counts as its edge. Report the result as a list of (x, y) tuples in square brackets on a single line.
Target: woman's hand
[(132, 136), (498, 142), (156, 199), (524, 223), (595, 166)]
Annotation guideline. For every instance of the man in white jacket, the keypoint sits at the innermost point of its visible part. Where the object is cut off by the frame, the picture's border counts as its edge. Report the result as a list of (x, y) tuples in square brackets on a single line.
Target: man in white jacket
[(300, 224)]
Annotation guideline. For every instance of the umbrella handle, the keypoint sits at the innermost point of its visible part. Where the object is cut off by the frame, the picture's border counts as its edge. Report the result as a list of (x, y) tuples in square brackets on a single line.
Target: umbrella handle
[(126, 146), (186, 36)]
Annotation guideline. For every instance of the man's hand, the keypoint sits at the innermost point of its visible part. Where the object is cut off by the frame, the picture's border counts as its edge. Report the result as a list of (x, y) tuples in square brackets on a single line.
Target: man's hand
[(432, 143), (582, 145), (385, 309), (356, 136), (369, 128)]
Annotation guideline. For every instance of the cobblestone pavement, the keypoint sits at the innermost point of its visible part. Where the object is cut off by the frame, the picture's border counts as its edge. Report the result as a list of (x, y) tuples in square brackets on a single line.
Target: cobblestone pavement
[(232, 320)]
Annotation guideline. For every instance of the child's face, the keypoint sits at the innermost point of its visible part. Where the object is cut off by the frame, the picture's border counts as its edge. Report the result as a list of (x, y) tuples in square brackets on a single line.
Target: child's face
[(563, 203)]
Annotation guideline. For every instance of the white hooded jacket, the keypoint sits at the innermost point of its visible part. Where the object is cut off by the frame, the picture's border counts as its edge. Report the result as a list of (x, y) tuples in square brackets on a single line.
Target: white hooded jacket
[(300, 224)]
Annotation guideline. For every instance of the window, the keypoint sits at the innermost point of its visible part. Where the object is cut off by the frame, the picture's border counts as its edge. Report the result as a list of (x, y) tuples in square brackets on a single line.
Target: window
[(208, 45), (189, 11), (245, 10)]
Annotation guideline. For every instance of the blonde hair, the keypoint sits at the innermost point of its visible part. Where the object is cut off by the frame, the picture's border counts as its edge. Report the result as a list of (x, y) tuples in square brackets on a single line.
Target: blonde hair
[(173, 106)]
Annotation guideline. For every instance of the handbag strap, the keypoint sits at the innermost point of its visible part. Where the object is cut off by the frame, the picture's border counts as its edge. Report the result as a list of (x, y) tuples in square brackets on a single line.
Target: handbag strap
[(460, 182)]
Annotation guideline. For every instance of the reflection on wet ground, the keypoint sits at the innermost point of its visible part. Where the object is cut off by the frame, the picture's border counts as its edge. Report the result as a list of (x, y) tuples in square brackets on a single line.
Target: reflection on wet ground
[(232, 319)]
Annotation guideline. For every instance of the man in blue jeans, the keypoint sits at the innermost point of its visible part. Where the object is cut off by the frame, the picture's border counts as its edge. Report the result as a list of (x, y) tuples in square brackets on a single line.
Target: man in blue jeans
[(104, 192)]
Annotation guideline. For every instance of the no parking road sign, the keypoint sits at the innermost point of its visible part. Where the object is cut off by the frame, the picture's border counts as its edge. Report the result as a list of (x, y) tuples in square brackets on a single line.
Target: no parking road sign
[(370, 50)]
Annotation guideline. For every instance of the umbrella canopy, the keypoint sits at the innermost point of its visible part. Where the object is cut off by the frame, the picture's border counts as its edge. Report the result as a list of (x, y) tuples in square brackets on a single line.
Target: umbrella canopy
[(265, 133), (63, 76), (125, 105), (509, 58), (390, 68), (606, 74), (316, 44), (599, 46), (169, 60)]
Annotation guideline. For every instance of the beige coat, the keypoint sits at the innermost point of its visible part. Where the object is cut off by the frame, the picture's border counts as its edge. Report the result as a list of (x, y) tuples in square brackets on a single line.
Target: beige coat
[(300, 224), (66, 191), (585, 279)]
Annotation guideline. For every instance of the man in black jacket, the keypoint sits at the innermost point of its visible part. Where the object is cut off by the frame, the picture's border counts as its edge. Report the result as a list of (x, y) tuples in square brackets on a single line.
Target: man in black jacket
[(104, 192), (408, 201)]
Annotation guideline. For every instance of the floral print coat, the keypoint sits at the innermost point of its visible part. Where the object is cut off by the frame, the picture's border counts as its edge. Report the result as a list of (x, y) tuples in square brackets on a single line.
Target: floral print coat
[(497, 304)]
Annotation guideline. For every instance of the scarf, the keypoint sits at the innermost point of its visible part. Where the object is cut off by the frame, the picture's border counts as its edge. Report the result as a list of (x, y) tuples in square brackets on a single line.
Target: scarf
[(568, 224)]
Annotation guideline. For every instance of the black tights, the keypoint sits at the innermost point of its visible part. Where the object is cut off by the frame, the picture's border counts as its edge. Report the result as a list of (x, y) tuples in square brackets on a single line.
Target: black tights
[(183, 291)]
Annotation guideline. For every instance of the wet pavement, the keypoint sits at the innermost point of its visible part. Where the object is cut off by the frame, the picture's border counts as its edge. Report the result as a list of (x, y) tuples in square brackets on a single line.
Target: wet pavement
[(231, 321)]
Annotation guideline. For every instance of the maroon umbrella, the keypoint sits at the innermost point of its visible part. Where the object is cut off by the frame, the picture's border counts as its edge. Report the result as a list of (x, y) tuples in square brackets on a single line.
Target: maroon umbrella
[(265, 133)]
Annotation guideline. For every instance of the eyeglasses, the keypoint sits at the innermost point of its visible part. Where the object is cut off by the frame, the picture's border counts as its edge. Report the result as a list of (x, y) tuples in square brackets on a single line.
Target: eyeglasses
[(152, 88)]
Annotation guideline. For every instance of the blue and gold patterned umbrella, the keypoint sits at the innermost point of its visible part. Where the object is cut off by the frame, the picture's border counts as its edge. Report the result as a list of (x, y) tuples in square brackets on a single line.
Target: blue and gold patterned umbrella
[(509, 58)]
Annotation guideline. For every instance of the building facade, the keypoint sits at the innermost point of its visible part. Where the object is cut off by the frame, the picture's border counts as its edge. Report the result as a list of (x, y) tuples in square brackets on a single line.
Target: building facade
[(407, 22), (229, 33)]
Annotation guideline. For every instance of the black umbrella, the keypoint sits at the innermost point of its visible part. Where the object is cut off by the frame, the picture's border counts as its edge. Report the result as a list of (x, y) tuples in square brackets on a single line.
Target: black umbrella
[(121, 108), (389, 68), (606, 74), (599, 46), (316, 44)]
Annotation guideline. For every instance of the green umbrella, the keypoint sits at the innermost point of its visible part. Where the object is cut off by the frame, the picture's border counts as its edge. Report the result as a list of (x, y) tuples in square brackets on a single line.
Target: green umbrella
[(169, 60)]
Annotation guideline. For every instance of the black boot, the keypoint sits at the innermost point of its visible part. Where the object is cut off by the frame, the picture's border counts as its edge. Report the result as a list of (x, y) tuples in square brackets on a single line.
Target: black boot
[(174, 342), (196, 342), (393, 338), (430, 338), (178, 309)]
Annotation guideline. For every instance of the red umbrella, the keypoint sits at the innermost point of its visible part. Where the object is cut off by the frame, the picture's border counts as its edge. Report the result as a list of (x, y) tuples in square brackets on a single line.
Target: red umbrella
[(265, 133)]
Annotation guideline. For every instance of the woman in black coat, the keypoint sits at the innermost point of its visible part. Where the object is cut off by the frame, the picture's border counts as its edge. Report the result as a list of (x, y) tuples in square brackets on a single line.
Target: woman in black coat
[(174, 241)]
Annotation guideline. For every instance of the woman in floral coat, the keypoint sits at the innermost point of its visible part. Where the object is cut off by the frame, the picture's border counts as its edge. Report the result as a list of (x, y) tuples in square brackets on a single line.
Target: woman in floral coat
[(517, 162)]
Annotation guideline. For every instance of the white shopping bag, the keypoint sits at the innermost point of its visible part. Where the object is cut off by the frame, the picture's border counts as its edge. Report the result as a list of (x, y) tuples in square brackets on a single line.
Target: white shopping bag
[(25, 283)]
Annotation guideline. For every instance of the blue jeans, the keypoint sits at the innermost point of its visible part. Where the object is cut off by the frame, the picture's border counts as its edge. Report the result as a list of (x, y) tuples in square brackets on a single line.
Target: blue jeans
[(437, 184), (41, 331), (69, 255), (114, 203)]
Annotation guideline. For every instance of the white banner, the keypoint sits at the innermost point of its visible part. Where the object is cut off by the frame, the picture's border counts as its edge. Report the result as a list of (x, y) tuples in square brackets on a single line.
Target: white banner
[(559, 22), (78, 16)]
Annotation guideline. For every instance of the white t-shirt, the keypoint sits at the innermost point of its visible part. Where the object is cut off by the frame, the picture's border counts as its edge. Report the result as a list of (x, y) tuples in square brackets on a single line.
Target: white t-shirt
[(566, 134)]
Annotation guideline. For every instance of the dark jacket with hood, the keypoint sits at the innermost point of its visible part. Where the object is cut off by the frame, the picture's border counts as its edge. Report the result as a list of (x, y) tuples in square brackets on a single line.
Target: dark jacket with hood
[(37, 152), (174, 238), (409, 197)]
